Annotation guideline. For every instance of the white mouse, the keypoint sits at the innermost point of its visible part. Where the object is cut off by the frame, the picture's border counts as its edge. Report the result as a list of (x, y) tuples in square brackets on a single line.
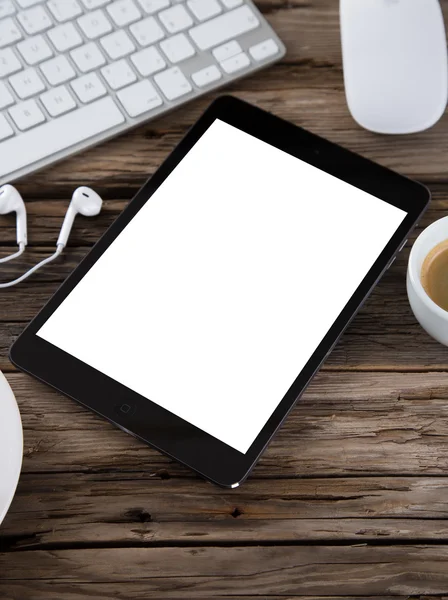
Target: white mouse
[(395, 63), (11, 445)]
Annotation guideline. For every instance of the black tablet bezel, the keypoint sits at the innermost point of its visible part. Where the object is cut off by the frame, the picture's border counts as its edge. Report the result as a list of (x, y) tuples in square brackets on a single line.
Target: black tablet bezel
[(143, 418)]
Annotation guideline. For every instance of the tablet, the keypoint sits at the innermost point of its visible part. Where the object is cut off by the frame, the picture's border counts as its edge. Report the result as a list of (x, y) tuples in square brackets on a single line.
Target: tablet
[(198, 319)]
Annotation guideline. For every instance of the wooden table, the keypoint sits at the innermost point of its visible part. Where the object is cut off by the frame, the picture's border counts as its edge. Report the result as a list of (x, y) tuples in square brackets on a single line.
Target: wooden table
[(351, 499)]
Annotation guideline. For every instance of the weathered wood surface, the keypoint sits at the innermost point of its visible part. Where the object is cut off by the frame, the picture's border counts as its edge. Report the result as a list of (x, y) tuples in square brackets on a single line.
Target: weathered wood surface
[(209, 572), (384, 336), (350, 499), (346, 423), (140, 509)]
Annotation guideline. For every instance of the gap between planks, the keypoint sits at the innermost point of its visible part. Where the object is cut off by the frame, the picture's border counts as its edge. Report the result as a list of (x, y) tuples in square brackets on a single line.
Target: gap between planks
[(373, 543)]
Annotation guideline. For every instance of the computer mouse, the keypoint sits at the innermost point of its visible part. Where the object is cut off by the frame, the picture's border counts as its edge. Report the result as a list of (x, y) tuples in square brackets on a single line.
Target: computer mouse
[(395, 63), (11, 445)]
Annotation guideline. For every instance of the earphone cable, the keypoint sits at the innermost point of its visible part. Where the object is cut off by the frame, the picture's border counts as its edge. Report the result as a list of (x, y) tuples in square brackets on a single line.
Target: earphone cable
[(43, 262), (20, 251)]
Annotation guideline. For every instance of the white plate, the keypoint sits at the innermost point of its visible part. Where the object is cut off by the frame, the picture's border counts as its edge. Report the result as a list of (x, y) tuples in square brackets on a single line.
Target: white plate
[(11, 445)]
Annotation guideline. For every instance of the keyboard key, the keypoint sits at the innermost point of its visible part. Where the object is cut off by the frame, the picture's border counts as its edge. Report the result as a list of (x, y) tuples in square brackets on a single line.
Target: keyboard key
[(225, 27), (6, 8), (204, 9), (236, 63), (118, 74), (94, 24), (26, 115), (9, 32), (6, 98), (57, 70), (152, 6), (59, 134), (92, 4), (264, 50), (34, 20), (58, 101), (9, 63), (34, 50), (231, 3), (27, 3), (227, 50), (88, 87), (88, 57), (123, 12), (173, 83), (117, 44), (206, 76), (177, 48), (65, 37), (6, 130), (26, 83), (64, 10), (176, 18), (148, 61), (139, 98), (147, 31)]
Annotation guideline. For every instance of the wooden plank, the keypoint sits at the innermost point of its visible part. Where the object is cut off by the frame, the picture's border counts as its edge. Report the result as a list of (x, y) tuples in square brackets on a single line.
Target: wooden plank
[(395, 424), (366, 346), (138, 591), (59, 511), (210, 572), (45, 219), (384, 336), (21, 303), (372, 343)]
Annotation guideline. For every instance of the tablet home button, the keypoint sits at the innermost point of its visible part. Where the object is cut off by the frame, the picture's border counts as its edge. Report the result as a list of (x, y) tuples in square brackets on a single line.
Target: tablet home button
[(125, 409)]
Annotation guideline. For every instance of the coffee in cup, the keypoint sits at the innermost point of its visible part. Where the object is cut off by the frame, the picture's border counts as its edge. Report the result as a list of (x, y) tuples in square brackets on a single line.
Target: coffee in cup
[(427, 280), (434, 274)]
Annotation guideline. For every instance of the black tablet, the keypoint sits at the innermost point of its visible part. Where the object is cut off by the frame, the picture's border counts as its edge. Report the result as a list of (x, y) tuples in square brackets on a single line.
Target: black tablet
[(198, 319)]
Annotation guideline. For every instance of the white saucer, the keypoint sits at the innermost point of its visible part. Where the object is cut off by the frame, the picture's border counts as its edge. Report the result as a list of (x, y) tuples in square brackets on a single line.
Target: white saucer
[(11, 445)]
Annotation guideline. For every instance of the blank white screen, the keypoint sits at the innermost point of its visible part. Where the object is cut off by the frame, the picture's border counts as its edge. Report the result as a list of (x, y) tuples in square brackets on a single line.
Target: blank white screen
[(216, 294)]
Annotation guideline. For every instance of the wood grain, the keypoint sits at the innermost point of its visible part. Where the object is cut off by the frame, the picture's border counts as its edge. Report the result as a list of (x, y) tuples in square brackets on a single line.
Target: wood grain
[(384, 336), (395, 424), (45, 220), (209, 572), (140, 509)]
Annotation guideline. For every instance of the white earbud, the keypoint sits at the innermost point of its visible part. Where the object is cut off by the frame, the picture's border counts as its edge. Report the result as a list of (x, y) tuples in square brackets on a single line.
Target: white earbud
[(12, 201), (84, 201)]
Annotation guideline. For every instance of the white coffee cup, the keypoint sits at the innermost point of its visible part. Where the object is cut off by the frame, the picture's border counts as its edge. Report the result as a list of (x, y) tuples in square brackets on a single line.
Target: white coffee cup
[(431, 317)]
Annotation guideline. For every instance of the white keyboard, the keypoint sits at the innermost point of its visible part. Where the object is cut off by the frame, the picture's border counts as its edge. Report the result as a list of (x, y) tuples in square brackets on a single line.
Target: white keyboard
[(76, 72)]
